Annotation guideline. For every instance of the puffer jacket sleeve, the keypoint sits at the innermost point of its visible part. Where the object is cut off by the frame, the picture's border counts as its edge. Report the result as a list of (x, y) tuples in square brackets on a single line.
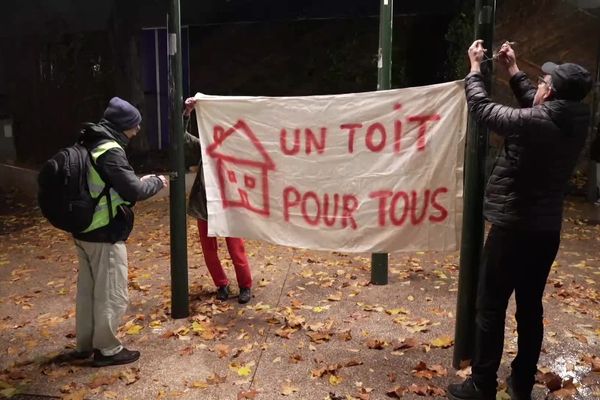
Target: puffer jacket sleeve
[(503, 120), (115, 167), (523, 89)]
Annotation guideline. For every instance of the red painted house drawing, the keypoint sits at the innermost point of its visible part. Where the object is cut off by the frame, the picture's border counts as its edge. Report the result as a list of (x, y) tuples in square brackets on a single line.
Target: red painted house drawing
[(243, 178)]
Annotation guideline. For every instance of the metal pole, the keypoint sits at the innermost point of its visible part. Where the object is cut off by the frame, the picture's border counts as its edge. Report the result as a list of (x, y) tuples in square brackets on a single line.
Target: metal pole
[(474, 182), (592, 183), (179, 267), (379, 261)]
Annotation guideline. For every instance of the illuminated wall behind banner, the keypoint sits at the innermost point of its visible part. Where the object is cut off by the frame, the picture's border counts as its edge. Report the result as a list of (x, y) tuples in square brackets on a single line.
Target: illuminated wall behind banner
[(363, 172)]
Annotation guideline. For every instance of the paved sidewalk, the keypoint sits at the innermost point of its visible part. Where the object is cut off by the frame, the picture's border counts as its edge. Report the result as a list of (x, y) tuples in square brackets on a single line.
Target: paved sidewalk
[(315, 329)]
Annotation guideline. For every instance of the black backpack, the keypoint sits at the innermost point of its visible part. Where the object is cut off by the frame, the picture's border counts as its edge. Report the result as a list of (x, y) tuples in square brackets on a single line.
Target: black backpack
[(63, 194)]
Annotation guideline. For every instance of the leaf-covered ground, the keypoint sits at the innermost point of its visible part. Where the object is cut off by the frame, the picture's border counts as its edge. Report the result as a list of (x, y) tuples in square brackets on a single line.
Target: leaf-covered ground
[(315, 329)]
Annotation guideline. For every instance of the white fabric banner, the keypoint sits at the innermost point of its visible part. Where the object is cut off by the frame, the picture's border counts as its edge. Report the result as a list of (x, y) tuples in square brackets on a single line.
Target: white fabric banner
[(364, 172)]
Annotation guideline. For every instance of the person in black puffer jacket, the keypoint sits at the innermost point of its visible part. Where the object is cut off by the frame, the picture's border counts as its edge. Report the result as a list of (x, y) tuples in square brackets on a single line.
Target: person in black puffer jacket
[(102, 279), (524, 203)]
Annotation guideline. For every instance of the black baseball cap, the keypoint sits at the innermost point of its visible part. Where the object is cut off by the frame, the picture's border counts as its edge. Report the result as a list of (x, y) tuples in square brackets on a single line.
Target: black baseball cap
[(569, 81)]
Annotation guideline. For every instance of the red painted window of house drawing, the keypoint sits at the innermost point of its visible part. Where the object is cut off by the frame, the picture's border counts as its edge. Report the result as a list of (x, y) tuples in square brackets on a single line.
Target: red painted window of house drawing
[(250, 181), (231, 177)]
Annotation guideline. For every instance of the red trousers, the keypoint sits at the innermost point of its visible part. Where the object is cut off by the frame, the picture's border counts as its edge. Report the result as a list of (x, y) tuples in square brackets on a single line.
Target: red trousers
[(236, 252)]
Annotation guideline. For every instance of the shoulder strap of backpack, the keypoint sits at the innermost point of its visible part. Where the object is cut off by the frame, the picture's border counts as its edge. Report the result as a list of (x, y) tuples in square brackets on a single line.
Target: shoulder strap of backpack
[(105, 191)]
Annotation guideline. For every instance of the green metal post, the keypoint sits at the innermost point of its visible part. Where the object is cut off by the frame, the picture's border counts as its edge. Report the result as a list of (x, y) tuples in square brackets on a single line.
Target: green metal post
[(474, 182), (179, 266), (592, 188), (379, 261), (384, 55)]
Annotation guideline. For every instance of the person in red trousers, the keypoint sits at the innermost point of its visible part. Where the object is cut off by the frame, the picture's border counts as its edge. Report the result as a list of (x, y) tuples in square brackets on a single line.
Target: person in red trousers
[(197, 209)]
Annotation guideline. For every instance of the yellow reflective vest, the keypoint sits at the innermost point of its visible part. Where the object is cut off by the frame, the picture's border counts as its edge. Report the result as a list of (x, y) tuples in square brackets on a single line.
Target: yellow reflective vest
[(102, 214)]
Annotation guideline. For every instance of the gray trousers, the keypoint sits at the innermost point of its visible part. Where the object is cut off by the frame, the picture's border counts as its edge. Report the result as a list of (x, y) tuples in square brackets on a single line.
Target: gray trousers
[(102, 295)]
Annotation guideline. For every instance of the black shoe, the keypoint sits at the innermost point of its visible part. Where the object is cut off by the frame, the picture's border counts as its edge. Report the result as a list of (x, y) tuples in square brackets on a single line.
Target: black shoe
[(515, 392), (222, 293), (123, 357), (245, 295), (71, 356), (469, 391)]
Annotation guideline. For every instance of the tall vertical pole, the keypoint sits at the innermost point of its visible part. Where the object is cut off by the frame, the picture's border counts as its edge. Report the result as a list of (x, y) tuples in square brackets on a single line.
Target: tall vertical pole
[(474, 182), (592, 183), (179, 267), (379, 261)]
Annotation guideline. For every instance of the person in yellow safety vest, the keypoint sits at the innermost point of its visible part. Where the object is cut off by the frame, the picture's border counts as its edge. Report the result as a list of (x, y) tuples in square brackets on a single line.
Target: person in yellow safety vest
[(102, 296)]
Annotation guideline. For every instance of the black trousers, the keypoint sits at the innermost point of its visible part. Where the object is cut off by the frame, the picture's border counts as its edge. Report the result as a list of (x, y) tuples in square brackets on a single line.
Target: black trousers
[(519, 261)]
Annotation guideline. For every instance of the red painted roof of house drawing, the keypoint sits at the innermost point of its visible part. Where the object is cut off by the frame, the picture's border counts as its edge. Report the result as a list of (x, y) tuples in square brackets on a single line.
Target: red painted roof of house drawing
[(216, 150)]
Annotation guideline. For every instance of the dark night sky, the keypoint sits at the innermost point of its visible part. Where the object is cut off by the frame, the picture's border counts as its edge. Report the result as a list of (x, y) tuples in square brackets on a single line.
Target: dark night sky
[(223, 10), (19, 17)]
